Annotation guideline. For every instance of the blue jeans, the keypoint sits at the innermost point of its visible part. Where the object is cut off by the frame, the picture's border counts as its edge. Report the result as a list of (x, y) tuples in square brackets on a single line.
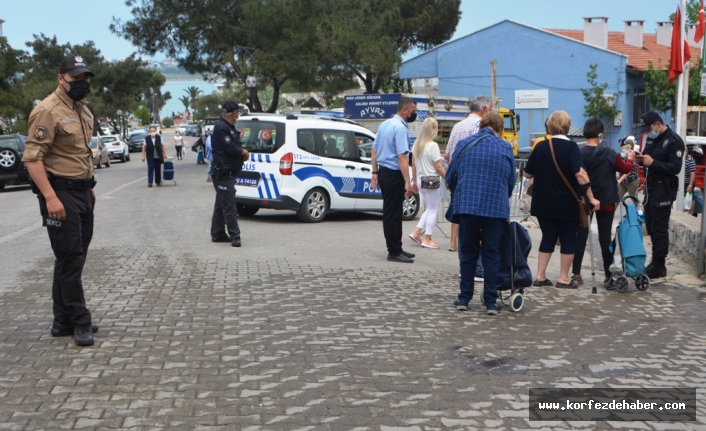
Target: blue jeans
[(480, 236), (154, 171)]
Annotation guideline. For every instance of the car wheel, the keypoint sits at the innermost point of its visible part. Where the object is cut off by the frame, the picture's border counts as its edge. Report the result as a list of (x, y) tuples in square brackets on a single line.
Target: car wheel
[(314, 206), (410, 207), (122, 158), (107, 162), (246, 211), (9, 159), (127, 156), (99, 165)]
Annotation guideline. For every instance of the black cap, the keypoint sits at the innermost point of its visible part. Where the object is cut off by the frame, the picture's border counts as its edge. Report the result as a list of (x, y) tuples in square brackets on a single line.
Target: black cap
[(230, 106), (74, 65), (649, 118)]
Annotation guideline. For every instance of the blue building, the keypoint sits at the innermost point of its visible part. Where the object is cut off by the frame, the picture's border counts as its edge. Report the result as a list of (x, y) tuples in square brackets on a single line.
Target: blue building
[(530, 58)]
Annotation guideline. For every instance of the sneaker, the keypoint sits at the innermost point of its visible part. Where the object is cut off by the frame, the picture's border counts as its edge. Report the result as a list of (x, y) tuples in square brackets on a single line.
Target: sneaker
[(610, 284), (83, 335), (654, 271), (59, 330), (463, 306), (478, 278), (493, 310)]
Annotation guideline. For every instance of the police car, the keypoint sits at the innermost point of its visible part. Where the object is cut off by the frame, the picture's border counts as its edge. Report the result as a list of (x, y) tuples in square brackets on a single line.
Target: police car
[(309, 164)]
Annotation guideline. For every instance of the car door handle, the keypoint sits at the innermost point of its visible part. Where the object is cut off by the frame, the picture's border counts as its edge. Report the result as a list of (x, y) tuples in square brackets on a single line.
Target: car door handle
[(350, 167), (365, 169)]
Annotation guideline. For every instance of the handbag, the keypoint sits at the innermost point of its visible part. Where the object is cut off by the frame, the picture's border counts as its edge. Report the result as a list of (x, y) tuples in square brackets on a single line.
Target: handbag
[(431, 182), (583, 215), (449, 215)]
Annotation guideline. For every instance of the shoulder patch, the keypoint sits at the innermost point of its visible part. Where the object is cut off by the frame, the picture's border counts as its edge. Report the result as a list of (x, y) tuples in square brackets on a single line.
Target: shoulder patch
[(40, 132), (227, 139), (679, 153)]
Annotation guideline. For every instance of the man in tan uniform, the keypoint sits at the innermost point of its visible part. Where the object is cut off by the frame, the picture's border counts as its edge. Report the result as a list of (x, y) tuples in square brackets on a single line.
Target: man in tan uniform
[(61, 166)]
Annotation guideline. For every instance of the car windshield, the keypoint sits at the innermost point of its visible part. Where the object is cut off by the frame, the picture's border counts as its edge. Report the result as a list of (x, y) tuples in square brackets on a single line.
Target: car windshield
[(93, 144), (107, 139), (260, 136), (138, 137)]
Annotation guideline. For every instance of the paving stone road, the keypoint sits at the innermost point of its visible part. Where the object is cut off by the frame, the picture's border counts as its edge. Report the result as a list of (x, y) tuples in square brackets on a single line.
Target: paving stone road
[(307, 327)]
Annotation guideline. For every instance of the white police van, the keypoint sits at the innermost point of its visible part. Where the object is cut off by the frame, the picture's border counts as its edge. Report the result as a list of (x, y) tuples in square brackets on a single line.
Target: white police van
[(309, 164)]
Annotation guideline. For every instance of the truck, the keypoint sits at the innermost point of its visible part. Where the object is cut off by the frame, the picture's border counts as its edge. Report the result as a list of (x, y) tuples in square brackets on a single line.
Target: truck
[(370, 110)]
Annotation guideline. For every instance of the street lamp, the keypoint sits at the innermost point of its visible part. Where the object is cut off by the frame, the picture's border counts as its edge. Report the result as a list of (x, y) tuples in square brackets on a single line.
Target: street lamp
[(122, 122), (251, 83), (206, 109)]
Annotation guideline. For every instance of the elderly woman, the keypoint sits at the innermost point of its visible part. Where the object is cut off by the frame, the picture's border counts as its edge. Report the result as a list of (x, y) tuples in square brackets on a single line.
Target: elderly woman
[(553, 203), (482, 177)]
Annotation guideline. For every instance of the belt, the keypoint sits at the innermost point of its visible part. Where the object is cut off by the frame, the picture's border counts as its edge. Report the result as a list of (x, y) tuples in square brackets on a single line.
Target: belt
[(59, 183)]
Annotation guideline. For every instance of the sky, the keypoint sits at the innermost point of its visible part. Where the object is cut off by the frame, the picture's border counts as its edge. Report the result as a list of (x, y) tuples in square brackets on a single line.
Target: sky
[(77, 23)]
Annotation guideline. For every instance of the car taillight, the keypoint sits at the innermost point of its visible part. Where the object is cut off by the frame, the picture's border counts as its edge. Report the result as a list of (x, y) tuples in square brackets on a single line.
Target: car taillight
[(285, 164), (116, 144)]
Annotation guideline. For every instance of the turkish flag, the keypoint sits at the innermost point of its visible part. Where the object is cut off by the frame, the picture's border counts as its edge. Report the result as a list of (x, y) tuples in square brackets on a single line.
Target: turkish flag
[(699, 34), (265, 134), (676, 61)]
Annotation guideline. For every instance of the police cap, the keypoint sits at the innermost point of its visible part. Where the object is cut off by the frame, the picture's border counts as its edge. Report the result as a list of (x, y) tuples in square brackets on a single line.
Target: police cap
[(230, 106), (649, 118), (75, 65)]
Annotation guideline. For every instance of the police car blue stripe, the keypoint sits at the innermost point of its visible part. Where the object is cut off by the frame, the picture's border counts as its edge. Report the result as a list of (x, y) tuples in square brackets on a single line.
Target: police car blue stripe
[(274, 185), (252, 157), (267, 187), (267, 158), (259, 191), (259, 158)]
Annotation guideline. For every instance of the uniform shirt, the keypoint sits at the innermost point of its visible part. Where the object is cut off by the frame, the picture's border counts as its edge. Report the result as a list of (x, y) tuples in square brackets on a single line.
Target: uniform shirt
[(462, 130), (226, 146), (391, 140), (58, 134), (661, 181), (482, 179)]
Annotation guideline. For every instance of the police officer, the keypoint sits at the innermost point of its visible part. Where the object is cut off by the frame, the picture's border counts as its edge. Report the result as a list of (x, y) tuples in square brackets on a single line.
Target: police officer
[(60, 164), (662, 159), (228, 156)]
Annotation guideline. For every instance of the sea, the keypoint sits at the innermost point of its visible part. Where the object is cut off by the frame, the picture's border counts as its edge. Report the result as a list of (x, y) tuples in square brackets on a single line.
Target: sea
[(177, 88)]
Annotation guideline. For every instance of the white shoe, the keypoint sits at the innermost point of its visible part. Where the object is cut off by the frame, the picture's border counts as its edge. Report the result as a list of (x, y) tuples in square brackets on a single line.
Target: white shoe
[(479, 279)]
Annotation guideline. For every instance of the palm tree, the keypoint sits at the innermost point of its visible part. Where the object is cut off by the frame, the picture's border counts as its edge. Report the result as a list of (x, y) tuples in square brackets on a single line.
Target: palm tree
[(193, 93), (186, 101)]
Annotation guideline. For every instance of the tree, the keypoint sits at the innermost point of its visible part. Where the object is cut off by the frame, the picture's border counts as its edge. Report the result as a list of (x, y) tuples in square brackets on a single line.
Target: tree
[(692, 12), (598, 104), (660, 93), (193, 93), (13, 104), (212, 102), (369, 37), (143, 115), (186, 102)]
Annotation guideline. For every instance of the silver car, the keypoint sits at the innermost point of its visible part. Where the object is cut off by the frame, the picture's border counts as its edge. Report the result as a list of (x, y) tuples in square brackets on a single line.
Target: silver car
[(100, 153)]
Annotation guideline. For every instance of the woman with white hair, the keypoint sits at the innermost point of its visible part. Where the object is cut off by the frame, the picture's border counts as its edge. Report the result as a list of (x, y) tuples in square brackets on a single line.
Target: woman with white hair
[(629, 183), (427, 172)]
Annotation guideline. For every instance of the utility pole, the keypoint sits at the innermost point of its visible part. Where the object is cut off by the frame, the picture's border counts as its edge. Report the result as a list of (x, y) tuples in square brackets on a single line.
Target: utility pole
[(493, 84)]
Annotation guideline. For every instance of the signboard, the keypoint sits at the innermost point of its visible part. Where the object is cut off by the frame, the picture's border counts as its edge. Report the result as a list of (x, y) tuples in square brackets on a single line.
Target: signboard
[(531, 99), (371, 106)]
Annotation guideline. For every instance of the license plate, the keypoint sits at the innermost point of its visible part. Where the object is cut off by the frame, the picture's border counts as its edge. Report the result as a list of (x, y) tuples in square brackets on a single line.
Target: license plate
[(250, 182)]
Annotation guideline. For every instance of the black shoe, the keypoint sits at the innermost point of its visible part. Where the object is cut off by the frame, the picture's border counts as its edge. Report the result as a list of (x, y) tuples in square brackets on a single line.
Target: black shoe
[(224, 238), (493, 310), (59, 330), (235, 242), (655, 271), (83, 335), (399, 258), (149, 185), (408, 254), (463, 306)]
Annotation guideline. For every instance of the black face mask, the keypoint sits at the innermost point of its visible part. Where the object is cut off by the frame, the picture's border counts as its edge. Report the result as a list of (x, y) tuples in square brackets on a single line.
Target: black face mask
[(78, 89), (412, 117)]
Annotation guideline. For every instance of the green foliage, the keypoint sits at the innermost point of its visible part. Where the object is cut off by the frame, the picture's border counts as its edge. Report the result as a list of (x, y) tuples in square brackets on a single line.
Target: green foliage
[(186, 101), (212, 102), (598, 104), (167, 122), (660, 93), (395, 85), (143, 115), (692, 11), (12, 100), (695, 97)]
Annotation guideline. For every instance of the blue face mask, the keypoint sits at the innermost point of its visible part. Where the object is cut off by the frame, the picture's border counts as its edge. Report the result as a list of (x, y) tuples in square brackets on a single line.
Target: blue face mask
[(652, 135)]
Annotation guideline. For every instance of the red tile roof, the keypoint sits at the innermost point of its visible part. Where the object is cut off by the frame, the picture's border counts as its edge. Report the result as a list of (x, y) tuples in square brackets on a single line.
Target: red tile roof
[(637, 57)]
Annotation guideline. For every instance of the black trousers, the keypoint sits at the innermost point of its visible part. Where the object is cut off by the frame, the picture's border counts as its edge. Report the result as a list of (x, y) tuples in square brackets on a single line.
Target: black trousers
[(70, 240), (393, 187), (604, 220), (657, 224), (224, 210), (178, 150)]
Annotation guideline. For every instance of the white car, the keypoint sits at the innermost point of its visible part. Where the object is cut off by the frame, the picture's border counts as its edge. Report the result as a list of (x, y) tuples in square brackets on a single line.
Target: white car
[(181, 129), (117, 149), (309, 164)]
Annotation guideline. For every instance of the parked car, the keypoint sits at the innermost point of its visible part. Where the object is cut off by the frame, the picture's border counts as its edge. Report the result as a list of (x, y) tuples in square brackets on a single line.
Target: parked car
[(135, 141), (192, 130), (117, 149), (100, 153), (309, 164), (181, 129), (105, 131), (137, 130), (12, 170)]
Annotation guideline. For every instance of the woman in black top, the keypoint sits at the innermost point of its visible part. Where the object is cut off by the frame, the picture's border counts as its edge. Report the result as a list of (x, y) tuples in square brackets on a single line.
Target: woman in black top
[(553, 203)]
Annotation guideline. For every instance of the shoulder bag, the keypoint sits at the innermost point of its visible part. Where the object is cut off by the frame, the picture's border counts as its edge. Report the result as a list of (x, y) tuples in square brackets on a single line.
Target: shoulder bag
[(583, 215), (450, 216), (430, 181)]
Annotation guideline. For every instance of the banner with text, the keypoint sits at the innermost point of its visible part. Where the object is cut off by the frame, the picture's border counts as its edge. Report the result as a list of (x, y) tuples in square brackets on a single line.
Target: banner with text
[(531, 99)]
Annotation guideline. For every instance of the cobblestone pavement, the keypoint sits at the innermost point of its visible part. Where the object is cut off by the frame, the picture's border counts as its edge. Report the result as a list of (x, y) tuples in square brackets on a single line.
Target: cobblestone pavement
[(307, 327)]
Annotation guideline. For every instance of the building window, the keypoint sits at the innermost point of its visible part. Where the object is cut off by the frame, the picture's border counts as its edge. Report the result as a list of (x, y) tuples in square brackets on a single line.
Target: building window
[(640, 105)]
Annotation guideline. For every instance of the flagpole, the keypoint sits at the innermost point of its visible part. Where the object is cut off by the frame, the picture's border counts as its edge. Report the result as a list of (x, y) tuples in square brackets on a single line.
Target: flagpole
[(682, 102)]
